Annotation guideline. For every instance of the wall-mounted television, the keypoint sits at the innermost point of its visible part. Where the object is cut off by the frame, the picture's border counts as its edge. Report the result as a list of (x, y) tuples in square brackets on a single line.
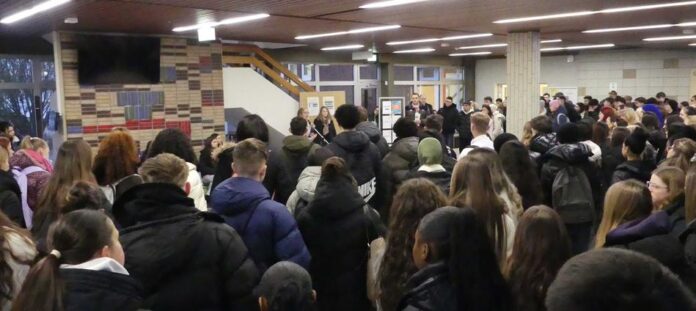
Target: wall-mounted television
[(118, 60)]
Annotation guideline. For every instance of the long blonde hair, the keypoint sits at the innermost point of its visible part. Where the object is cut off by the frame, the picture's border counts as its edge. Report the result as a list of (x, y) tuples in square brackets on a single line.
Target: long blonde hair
[(674, 178), (32, 143), (625, 201)]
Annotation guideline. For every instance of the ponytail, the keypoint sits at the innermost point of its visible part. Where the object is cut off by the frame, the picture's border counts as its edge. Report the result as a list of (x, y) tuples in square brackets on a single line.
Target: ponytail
[(43, 287)]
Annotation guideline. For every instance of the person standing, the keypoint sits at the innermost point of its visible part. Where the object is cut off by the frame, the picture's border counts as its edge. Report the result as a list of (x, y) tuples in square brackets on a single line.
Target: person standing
[(415, 102), (464, 124), (425, 109), (324, 125), (559, 114), (450, 116), (480, 123)]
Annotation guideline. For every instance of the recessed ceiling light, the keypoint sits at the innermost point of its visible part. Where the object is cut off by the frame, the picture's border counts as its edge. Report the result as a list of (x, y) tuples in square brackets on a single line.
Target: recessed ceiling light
[(496, 45), (670, 38), (41, 7), (339, 33), (343, 47), (692, 44), (388, 3), (579, 47), (229, 21), (605, 11), (423, 50), (441, 39), (551, 41), (471, 54)]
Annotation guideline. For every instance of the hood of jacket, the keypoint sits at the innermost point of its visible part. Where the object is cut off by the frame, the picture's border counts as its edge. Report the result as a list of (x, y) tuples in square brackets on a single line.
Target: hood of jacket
[(237, 195), (307, 183), (370, 129), (352, 141), (655, 224), (297, 144), (151, 202), (406, 148), (22, 160), (571, 153), (335, 198), (639, 168)]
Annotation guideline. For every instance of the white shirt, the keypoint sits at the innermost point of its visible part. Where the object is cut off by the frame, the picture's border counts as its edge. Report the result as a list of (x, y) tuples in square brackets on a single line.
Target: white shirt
[(481, 141)]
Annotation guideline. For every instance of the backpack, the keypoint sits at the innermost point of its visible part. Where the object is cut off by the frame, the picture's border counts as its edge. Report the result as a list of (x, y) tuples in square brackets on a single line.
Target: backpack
[(21, 177), (572, 196)]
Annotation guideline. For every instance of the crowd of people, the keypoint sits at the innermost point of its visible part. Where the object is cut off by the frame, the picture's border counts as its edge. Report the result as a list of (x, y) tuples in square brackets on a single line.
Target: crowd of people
[(592, 208)]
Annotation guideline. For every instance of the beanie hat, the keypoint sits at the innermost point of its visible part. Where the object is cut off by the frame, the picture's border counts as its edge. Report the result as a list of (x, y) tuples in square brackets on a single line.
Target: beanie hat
[(429, 152), (655, 110)]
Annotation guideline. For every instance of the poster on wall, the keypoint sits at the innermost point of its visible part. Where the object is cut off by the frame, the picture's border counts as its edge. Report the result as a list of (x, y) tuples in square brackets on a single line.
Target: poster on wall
[(392, 109), (329, 102), (313, 106)]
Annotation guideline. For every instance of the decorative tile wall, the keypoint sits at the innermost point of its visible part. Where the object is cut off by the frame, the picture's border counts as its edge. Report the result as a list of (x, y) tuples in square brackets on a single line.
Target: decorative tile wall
[(188, 97)]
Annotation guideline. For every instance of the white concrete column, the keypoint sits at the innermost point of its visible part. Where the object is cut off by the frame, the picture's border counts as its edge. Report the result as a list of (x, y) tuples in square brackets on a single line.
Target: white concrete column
[(523, 74)]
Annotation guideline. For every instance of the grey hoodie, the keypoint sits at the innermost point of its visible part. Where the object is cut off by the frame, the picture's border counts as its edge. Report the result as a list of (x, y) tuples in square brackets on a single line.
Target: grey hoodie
[(306, 185), (375, 136)]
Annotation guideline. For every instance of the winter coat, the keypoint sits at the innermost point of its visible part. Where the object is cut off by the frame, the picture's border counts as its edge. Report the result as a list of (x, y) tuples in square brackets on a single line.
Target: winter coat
[(268, 229), (35, 181), (287, 165), (19, 254), (450, 116), (677, 218), (688, 239), (440, 179), (206, 165), (430, 290), (375, 136), (540, 145), (464, 128), (611, 159), (319, 126), (659, 141), (338, 226), (560, 117), (401, 159), (11, 199), (639, 170), (304, 191), (196, 193), (185, 259), (94, 285)]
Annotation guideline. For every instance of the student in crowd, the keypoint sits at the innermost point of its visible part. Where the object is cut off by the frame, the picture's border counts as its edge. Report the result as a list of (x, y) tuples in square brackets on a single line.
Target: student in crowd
[(638, 282), (688, 114), (10, 194), (430, 167), (634, 167), (472, 185), (34, 172), (688, 237), (522, 171), (625, 202), (373, 132), (286, 287), (286, 165), (559, 115), (86, 195), (18, 254), (542, 246), (324, 124), (543, 137), (433, 128), (206, 164), (404, 152), (502, 184), (680, 154), (667, 190), (83, 271), (174, 141), (8, 130), (415, 199), (73, 164), (172, 248), (451, 276), (502, 139), (338, 227), (585, 131), (464, 124), (450, 116), (361, 156), (426, 109), (306, 185), (37, 149), (493, 129), (116, 163), (268, 229), (415, 102), (612, 155), (301, 113), (480, 123)]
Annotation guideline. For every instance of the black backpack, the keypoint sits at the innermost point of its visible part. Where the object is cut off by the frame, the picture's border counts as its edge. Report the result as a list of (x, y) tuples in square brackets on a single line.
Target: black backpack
[(572, 196)]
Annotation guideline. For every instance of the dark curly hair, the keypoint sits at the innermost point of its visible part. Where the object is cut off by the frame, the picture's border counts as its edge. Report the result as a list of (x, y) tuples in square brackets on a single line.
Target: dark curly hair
[(415, 199), (172, 141), (116, 158)]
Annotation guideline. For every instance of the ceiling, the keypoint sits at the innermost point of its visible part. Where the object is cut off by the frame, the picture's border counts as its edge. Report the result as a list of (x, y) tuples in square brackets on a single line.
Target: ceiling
[(290, 18)]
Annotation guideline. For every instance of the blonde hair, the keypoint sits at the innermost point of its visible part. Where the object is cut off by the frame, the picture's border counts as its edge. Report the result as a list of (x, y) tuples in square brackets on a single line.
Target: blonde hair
[(625, 201), (631, 116), (33, 143), (165, 168), (480, 121), (674, 178), (527, 133)]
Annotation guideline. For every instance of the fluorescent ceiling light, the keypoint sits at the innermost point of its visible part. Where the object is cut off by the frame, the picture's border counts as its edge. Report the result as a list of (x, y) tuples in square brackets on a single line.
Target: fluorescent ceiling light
[(551, 49), (339, 33), (343, 47), (497, 45), (551, 41), (692, 44), (41, 7), (578, 47), (229, 21), (605, 11), (423, 50), (470, 54), (440, 39), (388, 3), (670, 38), (413, 41), (628, 28)]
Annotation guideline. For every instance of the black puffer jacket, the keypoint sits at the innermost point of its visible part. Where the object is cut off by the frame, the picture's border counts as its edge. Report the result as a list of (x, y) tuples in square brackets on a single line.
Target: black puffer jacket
[(286, 166), (639, 170), (10, 198), (464, 128), (401, 159), (430, 290), (100, 290), (185, 260), (611, 158), (542, 143), (206, 165), (375, 136), (440, 179), (450, 116), (337, 227)]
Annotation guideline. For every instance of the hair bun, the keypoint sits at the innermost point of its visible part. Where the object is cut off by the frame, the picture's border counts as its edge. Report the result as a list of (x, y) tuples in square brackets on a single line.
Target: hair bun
[(637, 140), (334, 167)]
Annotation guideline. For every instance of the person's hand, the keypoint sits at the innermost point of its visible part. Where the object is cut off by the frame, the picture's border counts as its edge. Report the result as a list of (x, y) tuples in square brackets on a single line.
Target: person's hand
[(312, 136)]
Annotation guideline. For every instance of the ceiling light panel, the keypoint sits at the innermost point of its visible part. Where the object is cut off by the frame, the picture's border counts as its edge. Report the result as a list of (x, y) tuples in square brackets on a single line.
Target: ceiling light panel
[(354, 31), (229, 21), (422, 50), (41, 7), (578, 47), (343, 47), (480, 35), (671, 38), (471, 54), (497, 45), (388, 3)]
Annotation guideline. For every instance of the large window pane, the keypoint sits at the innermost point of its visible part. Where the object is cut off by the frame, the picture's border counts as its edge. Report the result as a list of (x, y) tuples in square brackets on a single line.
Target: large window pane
[(17, 70), (368, 72), (336, 73), (428, 74), (404, 91), (16, 106), (306, 72), (349, 89), (403, 73), (48, 71)]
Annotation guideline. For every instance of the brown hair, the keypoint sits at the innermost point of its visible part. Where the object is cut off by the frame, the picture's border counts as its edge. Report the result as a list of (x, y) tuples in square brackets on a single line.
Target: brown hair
[(674, 178), (249, 156), (541, 247), (414, 199), (300, 112), (684, 149), (625, 201), (32, 143), (690, 199), (117, 157), (502, 184), (480, 121), (7, 283), (527, 133), (165, 168), (321, 117), (362, 114)]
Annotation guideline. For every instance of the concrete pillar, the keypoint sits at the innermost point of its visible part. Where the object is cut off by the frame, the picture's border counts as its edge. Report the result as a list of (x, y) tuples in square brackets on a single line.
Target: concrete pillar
[(469, 79), (386, 81), (523, 75)]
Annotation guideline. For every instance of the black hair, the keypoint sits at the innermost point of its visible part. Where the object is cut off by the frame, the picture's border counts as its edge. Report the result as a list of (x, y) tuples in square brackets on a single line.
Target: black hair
[(593, 102), (673, 118), (584, 130), (450, 98), (174, 141), (459, 238), (85, 195), (587, 97), (619, 136), (569, 133), (405, 127), (690, 111), (434, 122), (4, 125), (639, 99), (542, 124), (498, 100), (673, 104), (617, 279), (347, 116), (684, 104), (488, 98), (650, 121), (502, 139), (252, 126), (651, 100), (660, 94), (287, 286), (522, 170), (208, 142), (298, 126), (636, 141), (620, 99)]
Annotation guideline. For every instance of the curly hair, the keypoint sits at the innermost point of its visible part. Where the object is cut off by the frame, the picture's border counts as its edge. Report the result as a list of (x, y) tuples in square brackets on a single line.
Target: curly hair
[(414, 199), (117, 157), (174, 141)]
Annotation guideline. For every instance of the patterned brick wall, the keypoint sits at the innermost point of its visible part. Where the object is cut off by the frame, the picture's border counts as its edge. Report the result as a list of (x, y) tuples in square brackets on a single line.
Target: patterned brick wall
[(190, 84)]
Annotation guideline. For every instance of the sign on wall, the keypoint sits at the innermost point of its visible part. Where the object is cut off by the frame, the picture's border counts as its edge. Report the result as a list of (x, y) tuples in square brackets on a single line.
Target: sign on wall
[(391, 109)]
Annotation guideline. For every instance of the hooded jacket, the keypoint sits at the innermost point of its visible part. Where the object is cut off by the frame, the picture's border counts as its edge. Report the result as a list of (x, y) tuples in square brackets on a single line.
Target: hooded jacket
[(268, 229), (287, 165), (35, 181), (10, 198), (450, 116), (338, 226), (560, 117), (375, 136), (464, 128), (449, 157), (88, 289), (185, 259), (639, 170), (541, 144), (304, 191), (401, 159), (430, 290)]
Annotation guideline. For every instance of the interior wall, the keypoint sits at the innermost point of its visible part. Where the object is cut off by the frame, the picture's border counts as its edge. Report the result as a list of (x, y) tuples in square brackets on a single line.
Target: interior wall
[(190, 83), (639, 72)]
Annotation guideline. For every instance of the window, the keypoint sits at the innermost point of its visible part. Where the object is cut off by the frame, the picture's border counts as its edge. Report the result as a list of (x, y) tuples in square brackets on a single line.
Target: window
[(336, 72)]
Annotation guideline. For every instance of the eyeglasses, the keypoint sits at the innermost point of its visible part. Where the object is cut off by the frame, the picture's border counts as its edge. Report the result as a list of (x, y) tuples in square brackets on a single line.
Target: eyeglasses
[(654, 186)]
